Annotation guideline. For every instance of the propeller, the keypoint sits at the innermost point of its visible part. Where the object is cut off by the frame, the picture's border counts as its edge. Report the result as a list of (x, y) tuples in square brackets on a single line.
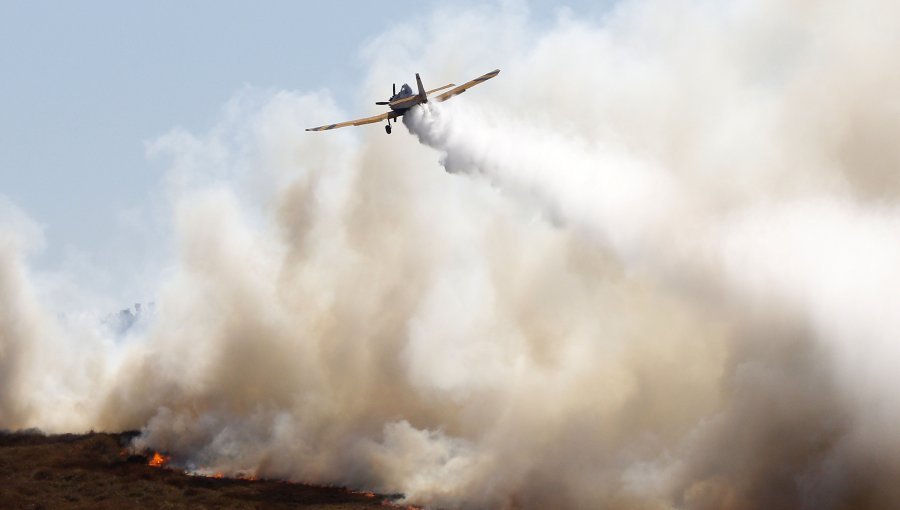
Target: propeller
[(382, 103)]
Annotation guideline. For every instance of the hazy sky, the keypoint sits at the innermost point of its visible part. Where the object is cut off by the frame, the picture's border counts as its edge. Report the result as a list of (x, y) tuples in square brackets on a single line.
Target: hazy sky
[(85, 84)]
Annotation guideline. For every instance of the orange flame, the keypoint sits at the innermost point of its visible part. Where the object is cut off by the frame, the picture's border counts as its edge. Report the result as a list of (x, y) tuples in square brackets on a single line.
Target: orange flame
[(158, 460)]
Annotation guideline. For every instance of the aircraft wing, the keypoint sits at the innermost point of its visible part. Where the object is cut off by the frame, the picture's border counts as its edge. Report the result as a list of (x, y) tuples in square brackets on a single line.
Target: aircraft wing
[(465, 86), (359, 122)]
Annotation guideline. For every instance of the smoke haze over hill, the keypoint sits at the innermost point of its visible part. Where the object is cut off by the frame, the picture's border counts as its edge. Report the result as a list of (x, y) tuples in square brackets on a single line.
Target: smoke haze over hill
[(659, 272)]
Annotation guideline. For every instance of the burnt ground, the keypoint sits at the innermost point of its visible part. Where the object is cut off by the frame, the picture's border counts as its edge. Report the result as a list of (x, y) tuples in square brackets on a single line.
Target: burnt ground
[(93, 471)]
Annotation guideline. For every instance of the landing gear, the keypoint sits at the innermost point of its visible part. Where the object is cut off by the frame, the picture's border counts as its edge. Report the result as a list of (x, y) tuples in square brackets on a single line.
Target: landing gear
[(387, 129)]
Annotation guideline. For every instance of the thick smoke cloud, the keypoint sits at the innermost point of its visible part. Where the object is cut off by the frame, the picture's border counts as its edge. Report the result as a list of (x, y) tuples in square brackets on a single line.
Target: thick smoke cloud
[(19, 319), (659, 273)]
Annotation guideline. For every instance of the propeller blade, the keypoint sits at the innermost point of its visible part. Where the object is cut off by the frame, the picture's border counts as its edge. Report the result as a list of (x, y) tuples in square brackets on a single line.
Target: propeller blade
[(395, 89), (382, 103)]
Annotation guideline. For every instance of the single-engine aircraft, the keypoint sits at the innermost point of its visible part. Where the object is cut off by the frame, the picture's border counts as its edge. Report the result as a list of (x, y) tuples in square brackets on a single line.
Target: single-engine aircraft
[(401, 102)]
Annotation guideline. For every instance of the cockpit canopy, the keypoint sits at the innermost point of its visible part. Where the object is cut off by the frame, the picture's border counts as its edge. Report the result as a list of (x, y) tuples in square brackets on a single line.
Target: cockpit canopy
[(405, 90)]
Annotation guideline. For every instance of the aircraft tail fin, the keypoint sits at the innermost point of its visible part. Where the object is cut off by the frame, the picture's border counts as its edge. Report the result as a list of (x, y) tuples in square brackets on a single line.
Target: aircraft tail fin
[(422, 93)]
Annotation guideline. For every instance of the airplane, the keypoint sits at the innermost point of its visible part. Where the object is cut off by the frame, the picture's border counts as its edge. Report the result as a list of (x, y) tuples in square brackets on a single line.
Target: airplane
[(401, 102)]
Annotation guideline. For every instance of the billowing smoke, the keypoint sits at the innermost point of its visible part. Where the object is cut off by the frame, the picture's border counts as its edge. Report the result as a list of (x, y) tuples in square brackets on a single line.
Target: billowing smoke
[(659, 272), (19, 320)]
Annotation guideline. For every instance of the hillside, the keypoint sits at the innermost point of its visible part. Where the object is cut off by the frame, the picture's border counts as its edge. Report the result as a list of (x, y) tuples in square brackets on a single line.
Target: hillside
[(94, 471)]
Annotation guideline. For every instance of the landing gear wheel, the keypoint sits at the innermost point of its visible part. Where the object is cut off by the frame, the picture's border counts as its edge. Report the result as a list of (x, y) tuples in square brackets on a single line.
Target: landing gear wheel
[(387, 129)]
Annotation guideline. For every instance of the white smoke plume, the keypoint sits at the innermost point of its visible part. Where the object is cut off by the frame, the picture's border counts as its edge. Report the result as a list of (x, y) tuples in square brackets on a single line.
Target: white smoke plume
[(661, 273)]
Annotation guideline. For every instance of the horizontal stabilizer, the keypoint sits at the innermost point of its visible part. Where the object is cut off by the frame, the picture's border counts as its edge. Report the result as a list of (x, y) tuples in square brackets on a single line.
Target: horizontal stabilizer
[(440, 88)]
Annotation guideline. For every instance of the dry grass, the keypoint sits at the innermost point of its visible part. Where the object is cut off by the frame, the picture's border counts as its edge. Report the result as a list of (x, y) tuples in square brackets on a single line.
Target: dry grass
[(91, 472)]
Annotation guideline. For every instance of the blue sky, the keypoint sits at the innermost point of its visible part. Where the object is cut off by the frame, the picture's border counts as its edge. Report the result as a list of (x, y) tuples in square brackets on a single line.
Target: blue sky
[(85, 84)]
